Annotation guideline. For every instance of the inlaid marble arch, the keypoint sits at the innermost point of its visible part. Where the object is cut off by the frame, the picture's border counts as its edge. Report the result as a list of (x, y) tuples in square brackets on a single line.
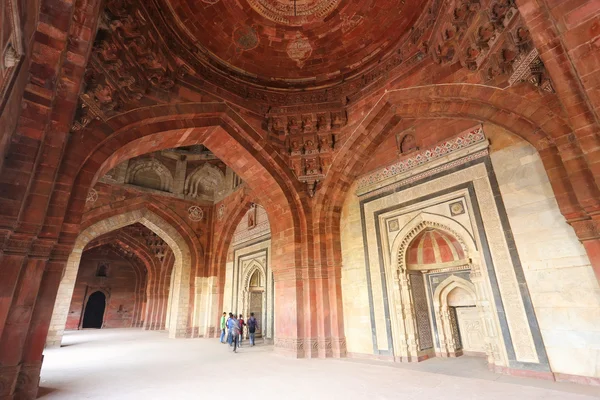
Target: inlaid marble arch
[(253, 266), (491, 209), (404, 330)]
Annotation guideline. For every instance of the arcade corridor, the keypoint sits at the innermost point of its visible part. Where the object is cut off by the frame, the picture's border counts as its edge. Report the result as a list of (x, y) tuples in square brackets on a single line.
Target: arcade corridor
[(133, 364)]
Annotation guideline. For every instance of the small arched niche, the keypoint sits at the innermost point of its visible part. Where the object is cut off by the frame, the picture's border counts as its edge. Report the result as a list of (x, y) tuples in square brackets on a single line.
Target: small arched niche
[(434, 248)]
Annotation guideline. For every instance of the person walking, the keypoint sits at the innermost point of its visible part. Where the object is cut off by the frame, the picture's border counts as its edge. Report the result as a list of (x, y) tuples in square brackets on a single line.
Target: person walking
[(234, 331), (252, 327), (242, 324), (223, 325), (229, 338)]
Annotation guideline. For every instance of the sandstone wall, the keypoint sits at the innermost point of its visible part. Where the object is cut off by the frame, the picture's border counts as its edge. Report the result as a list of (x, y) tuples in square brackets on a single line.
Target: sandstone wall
[(545, 284), (120, 283)]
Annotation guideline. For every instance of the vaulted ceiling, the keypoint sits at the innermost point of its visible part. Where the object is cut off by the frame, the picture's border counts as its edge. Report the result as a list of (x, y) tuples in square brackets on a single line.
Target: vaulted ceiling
[(293, 43)]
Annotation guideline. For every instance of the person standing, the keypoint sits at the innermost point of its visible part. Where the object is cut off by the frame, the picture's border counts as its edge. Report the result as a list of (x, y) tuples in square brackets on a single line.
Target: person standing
[(234, 331), (242, 324), (223, 325), (252, 327)]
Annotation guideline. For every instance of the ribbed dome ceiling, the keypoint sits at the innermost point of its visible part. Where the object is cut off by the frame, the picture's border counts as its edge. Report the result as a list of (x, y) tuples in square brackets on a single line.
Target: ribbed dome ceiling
[(434, 246)]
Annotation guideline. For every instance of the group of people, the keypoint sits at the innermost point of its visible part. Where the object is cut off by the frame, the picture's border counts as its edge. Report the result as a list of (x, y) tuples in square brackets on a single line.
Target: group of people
[(235, 329)]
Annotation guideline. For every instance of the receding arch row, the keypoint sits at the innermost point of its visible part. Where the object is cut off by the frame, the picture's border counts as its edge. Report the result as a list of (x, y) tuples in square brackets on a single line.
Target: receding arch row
[(235, 143), (179, 325), (103, 145)]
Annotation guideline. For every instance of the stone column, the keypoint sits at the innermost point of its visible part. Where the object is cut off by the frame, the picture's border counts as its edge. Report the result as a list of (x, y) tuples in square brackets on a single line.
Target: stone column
[(307, 313), (28, 382), (14, 334), (485, 307), (9, 276), (401, 310), (409, 317), (290, 316)]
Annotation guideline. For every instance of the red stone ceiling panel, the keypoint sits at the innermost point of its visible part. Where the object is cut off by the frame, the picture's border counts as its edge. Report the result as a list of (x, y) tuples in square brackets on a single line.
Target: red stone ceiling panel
[(304, 42)]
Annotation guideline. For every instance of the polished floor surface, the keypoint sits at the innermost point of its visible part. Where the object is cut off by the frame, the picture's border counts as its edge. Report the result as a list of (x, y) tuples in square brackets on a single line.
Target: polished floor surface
[(133, 364)]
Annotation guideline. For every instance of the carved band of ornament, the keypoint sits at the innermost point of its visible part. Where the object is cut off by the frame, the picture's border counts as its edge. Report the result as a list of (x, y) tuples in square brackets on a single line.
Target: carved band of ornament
[(42, 249), (462, 141), (465, 267), (289, 344), (407, 240), (523, 67)]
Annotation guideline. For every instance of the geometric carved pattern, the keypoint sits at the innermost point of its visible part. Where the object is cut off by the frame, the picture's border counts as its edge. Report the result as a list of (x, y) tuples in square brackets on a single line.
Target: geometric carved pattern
[(417, 286), (195, 213), (457, 208), (92, 196)]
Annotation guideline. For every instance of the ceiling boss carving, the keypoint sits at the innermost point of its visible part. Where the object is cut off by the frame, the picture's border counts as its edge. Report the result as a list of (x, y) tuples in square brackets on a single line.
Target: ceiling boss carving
[(294, 12)]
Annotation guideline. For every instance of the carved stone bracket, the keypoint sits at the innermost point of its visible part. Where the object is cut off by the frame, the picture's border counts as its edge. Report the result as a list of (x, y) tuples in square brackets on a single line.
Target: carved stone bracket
[(308, 141)]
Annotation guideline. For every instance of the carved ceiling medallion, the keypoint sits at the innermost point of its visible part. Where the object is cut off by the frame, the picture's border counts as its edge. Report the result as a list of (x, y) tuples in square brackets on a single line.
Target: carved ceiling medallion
[(294, 12)]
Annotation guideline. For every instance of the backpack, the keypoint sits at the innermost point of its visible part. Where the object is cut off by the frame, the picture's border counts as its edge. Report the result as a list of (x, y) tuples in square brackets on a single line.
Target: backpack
[(252, 324)]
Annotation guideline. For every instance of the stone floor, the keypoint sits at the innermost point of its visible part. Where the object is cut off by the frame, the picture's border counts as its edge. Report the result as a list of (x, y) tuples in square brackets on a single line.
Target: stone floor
[(133, 364)]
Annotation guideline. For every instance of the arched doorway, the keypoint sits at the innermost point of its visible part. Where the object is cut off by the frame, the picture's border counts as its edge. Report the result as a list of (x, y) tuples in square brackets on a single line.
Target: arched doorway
[(461, 304), (439, 291), (93, 316), (255, 296)]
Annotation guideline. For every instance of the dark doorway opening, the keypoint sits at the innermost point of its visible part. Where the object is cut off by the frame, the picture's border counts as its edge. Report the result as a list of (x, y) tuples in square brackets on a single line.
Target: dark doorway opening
[(94, 311)]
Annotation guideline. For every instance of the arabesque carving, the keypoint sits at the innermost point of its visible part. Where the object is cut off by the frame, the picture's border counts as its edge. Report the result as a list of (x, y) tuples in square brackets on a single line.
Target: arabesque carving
[(129, 65)]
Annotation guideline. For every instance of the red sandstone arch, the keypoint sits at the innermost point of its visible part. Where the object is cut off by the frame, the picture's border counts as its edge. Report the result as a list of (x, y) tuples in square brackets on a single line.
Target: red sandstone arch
[(98, 148), (198, 267), (103, 145), (151, 317), (180, 325)]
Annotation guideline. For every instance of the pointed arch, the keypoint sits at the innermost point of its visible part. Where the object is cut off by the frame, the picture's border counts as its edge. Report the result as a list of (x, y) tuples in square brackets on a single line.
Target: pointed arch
[(440, 296), (179, 324), (251, 269), (422, 221)]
